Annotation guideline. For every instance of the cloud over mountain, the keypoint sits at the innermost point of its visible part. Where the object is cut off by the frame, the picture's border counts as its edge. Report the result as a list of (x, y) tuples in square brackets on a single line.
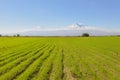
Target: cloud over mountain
[(72, 30)]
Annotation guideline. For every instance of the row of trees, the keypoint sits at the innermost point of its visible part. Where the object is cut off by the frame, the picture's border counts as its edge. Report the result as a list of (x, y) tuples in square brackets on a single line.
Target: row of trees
[(18, 35)]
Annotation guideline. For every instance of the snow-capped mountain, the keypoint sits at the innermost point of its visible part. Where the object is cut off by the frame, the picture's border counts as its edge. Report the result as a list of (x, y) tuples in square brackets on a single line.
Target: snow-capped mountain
[(72, 30), (76, 26)]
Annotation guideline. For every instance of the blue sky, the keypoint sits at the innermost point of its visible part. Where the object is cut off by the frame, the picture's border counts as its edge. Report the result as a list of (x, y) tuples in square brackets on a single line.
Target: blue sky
[(17, 15)]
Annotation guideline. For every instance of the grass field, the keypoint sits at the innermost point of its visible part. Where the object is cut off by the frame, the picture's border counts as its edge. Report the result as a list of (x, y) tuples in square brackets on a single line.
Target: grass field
[(60, 58)]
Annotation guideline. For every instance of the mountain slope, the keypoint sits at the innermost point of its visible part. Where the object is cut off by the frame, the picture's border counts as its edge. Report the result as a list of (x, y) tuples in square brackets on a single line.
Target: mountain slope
[(72, 30)]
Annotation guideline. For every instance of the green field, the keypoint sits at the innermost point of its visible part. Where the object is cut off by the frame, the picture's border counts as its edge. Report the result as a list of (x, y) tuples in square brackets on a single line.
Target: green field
[(60, 58)]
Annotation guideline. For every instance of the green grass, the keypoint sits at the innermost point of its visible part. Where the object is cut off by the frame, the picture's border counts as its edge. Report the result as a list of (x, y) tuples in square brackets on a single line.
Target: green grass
[(59, 58)]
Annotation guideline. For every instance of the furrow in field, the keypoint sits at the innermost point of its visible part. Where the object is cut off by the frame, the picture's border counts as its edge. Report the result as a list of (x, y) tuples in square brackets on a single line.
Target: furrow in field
[(58, 67), (81, 70), (112, 56), (85, 62), (46, 67), (22, 49), (16, 62), (93, 61), (108, 67), (109, 64), (33, 68), (71, 69), (63, 74), (6, 50), (20, 55), (21, 67), (16, 49)]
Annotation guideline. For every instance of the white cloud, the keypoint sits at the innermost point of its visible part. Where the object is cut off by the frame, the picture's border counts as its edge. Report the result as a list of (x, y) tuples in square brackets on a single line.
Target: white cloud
[(9, 31), (38, 28)]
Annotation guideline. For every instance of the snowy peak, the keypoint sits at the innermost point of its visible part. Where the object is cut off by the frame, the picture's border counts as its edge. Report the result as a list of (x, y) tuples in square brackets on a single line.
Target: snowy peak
[(76, 26)]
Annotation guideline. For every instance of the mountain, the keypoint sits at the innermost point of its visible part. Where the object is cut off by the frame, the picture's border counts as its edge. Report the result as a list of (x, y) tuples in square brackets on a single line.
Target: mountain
[(72, 30), (76, 26)]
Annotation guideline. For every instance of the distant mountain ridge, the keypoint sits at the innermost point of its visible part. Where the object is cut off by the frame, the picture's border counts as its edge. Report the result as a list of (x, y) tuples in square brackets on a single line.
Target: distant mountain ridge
[(72, 30)]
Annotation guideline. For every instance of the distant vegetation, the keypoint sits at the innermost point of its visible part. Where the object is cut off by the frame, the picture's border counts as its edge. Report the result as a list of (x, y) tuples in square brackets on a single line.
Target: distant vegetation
[(85, 35), (17, 35), (0, 35)]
